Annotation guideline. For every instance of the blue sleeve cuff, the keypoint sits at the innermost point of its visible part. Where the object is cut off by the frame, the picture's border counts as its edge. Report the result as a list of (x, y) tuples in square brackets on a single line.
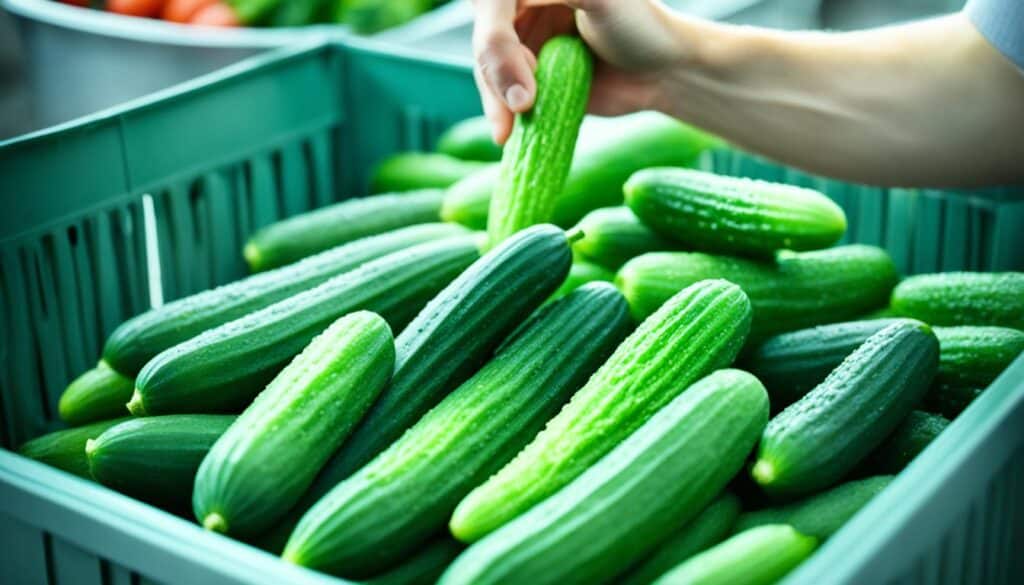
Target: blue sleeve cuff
[(1002, 23)]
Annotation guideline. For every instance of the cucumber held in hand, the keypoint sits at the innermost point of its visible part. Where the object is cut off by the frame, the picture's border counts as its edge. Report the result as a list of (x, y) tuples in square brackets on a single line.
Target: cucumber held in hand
[(759, 556), (963, 298), (98, 394), (155, 458), (265, 461), (65, 449), (407, 171), (790, 364), (733, 215), (707, 529), (820, 438), (470, 139), (698, 331), (622, 506), (822, 514), (536, 158), (224, 368), (608, 151), (614, 235), (141, 338), (308, 233), (797, 290), (373, 519)]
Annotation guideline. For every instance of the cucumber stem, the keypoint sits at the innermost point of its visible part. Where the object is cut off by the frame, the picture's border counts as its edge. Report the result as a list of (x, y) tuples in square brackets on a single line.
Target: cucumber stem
[(574, 234), (135, 405), (215, 523), (252, 257), (90, 446), (763, 472)]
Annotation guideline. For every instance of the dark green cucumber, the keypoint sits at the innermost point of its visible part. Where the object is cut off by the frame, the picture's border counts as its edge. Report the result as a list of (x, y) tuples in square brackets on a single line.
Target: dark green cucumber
[(224, 368), (581, 273), (949, 401), (537, 156), (407, 171), (723, 214), (266, 460), (397, 501), (790, 364), (963, 298), (308, 233), (155, 458), (423, 567), (704, 531), (141, 338), (911, 437), (620, 508), (608, 151), (614, 235), (974, 356), (66, 449), (698, 331), (820, 438), (797, 290), (470, 139), (98, 394), (759, 556), (822, 514), (455, 334)]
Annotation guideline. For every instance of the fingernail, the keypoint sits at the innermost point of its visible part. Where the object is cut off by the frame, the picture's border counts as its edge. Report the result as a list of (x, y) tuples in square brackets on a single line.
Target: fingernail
[(516, 97)]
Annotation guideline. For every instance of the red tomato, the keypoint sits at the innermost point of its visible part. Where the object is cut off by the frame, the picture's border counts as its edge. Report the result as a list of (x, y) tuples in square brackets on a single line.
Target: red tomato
[(136, 7), (217, 14), (183, 10)]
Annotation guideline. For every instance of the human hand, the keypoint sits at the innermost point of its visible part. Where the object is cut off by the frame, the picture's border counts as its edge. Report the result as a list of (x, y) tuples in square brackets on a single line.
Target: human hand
[(632, 41)]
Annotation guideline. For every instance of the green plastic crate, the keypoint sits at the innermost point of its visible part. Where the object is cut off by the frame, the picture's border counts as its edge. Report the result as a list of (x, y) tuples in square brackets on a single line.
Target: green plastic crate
[(153, 200)]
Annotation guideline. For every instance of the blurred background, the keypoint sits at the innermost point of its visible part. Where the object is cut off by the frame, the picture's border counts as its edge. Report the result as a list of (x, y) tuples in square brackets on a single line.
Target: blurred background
[(59, 61)]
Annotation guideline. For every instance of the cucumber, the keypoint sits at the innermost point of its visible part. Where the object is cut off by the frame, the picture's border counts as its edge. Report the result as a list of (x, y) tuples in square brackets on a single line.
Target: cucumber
[(537, 156), (398, 500), (407, 171), (706, 530), (143, 337), (911, 437), (736, 215), (818, 439), (98, 394), (268, 457), (963, 298), (224, 368), (423, 567), (608, 151), (470, 139), (616, 511), (790, 364), (447, 342), (65, 449), (613, 235), (698, 331), (759, 556), (974, 356), (308, 233), (797, 290), (949, 401), (822, 514), (581, 273), (155, 458)]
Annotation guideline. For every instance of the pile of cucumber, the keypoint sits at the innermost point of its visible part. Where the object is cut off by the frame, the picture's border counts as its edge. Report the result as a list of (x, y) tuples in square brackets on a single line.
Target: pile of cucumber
[(640, 373)]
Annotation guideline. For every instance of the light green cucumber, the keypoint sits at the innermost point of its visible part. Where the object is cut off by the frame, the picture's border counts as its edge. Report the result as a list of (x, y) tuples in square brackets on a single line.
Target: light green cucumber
[(963, 298), (268, 457), (581, 273), (614, 235), (537, 156), (398, 500), (621, 507), (98, 394), (408, 171), (698, 331), (759, 556), (470, 139), (65, 449)]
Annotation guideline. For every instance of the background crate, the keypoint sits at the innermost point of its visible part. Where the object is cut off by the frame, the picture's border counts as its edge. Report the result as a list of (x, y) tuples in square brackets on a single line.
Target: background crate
[(112, 213)]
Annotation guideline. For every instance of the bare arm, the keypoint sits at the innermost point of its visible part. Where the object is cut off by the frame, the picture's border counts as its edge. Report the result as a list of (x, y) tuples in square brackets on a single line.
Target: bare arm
[(923, 104)]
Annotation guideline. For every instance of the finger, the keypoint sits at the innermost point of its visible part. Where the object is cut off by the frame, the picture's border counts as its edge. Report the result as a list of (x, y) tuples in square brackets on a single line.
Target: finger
[(494, 110), (505, 68)]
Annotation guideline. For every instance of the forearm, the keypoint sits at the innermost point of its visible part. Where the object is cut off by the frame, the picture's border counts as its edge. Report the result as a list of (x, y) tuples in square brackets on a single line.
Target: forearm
[(929, 103)]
